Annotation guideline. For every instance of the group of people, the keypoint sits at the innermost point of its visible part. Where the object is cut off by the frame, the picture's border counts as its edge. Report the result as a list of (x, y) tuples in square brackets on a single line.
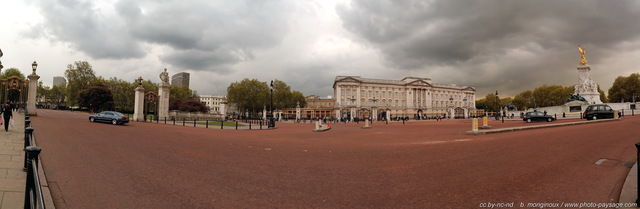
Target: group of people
[(7, 115)]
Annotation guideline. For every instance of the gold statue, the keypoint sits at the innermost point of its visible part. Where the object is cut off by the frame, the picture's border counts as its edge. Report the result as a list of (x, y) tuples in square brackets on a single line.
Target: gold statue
[(583, 61)]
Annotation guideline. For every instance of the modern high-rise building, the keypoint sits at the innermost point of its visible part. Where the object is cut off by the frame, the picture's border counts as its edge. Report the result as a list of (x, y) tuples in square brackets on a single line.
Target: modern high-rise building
[(59, 80), (180, 79)]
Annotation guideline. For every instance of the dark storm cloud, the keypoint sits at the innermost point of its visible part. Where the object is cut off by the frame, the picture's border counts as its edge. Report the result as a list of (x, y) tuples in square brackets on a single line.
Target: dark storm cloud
[(505, 38), (86, 29), (200, 35)]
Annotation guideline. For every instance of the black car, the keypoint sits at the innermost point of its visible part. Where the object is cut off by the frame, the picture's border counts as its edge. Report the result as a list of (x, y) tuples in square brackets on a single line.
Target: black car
[(112, 117), (594, 112), (537, 116)]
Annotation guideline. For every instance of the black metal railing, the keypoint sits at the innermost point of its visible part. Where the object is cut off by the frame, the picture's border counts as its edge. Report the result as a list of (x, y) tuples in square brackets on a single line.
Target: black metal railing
[(33, 192)]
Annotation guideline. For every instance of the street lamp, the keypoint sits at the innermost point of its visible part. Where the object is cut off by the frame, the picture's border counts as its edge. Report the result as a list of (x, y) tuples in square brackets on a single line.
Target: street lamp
[(375, 105), (272, 123), (34, 65), (1, 61)]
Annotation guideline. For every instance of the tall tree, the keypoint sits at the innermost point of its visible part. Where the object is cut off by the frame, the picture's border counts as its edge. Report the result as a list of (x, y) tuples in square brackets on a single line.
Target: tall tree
[(123, 94), (281, 95), (524, 100), (79, 76), (97, 98), (248, 95), (298, 98), (179, 93), (625, 88), (58, 95), (11, 72)]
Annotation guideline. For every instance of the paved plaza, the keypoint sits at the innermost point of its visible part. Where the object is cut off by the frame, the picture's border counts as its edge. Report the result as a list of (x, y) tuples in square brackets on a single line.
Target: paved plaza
[(12, 178), (420, 164)]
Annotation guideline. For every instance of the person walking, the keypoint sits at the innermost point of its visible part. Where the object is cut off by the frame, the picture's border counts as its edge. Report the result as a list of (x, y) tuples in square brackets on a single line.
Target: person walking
[(7, 115)]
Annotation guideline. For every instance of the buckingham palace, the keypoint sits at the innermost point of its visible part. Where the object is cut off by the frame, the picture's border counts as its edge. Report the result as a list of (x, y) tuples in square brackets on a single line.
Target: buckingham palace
[(411, 97)]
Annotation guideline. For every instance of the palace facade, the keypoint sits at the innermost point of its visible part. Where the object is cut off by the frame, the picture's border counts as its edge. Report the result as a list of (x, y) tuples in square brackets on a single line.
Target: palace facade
[(411, 97)]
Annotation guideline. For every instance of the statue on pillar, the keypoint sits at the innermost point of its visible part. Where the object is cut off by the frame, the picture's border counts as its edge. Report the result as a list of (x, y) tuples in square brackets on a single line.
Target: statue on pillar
[(164, 77), (583, 60)]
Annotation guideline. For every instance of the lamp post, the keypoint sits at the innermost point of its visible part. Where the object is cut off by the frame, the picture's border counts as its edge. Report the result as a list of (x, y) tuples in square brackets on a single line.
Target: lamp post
[(375, 105), (498, 105), (272, 122), (34, 66), (451, 106)]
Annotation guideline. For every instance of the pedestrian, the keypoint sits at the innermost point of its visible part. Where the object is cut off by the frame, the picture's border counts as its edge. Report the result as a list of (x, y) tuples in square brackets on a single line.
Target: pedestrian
[(7, 115)]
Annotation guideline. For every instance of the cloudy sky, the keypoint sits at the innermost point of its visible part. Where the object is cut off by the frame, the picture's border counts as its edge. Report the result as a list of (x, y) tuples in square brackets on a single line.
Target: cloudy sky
[(503, 45)]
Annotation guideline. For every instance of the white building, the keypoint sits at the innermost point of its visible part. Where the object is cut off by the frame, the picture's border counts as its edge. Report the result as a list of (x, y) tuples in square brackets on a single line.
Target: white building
[(216, 104), (411, 97)]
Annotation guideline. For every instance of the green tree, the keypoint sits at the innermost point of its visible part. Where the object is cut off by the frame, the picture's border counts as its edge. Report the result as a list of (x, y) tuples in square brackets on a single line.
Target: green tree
[(97, 98), (624, 88), (79, 76), (11, 72), (57, 95), (248, 95), (179, 93), (123, 94), (43, 92), (282, 95), (298, 98), (523, 100)]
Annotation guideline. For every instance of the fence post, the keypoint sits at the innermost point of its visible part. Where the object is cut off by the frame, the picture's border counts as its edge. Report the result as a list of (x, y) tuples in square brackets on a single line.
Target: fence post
[(638, 160), (28, 132), (30, 189)]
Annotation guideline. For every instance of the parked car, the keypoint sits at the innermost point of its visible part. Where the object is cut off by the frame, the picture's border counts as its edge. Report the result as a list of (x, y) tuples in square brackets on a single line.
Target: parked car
[(537, 116), (112, 117), (594, 112)]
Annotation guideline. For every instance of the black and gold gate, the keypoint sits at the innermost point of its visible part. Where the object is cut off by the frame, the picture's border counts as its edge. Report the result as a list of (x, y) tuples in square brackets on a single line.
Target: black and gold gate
[(151, 101), (458, 113), (14, 90)]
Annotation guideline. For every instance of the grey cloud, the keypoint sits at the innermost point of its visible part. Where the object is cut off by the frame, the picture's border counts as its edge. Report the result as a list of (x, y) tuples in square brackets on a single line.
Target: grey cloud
[(218, 33), (86, 29), (465, 35), (427, 32)]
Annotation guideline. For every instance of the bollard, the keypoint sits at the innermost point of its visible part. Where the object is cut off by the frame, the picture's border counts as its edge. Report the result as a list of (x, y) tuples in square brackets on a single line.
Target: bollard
[(250, 126), (260, 125), (194, 123), (615, 114), (174, 121), (485, 121), (555, 116), (27, 123), (28, 132), (165, 120), (183, 121), (474, 125), (236, 125), (221, 124), (638, 161), (207, 125)]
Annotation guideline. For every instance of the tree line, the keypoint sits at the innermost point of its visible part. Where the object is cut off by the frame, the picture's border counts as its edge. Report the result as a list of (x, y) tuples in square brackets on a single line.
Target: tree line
[(252, 96), (624, 89), (85, 89)]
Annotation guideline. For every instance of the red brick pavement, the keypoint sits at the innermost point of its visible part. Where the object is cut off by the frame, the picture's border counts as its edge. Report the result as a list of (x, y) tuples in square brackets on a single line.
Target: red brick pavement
[(423, 164)]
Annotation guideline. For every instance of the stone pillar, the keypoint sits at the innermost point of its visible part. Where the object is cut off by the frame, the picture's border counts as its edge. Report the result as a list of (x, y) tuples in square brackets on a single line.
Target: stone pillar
[(298, 111), (163, 101), (33, 91), (138, 107)]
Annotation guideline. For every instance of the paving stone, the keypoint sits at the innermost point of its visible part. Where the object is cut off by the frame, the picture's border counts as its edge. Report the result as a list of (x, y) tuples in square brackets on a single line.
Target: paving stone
[(3, 173), (16, 174), (5, 157), (15, 185), (12, 200)]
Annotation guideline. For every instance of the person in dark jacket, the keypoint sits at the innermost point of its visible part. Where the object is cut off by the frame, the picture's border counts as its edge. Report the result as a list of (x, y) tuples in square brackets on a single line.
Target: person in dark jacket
[(7, 114)]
